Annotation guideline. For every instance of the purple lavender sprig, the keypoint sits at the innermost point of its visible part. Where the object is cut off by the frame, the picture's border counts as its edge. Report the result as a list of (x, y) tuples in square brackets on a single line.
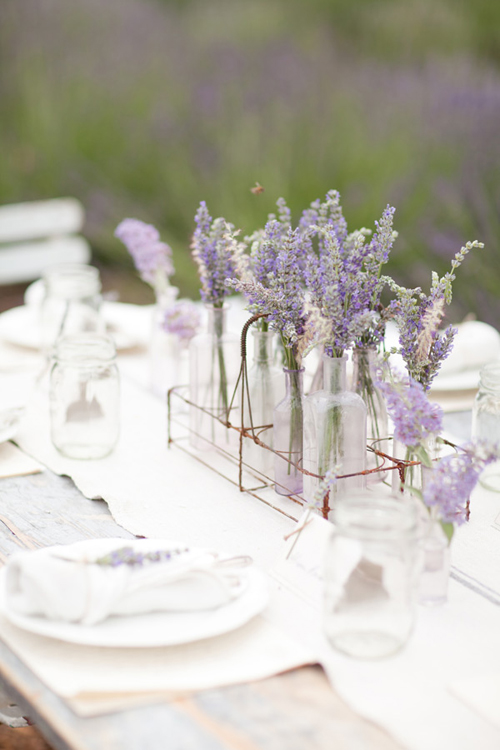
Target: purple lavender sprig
[(182, 319), (217, 253), (331, 279), (414, 417), (344, 276), (265, 246), (450, 485), (133, 558), (152, 258), (418, 317), (371, 282), (282, 299)]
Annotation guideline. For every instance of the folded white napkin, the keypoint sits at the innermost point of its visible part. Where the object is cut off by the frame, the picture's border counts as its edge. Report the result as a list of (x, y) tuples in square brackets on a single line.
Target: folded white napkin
[(88, 581)]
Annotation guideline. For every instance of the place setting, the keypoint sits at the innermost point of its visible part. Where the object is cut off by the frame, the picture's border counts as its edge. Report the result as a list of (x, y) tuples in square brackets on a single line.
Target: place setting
[(110, 609)]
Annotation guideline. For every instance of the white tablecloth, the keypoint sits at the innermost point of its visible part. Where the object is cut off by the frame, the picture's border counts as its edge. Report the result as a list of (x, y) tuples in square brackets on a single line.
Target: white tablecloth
[(153, 491)]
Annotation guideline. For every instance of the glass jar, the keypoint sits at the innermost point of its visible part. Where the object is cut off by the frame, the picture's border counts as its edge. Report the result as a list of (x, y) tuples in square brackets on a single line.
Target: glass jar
[(71, 304), (486, 419), (84, 396), (334, 432), (266, 390), (377, 430), (486, 407), (214, 366), (370, 575), (288, 436)]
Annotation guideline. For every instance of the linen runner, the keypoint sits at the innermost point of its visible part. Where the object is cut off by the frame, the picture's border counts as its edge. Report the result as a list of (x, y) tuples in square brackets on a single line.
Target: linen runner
[(155, 492)]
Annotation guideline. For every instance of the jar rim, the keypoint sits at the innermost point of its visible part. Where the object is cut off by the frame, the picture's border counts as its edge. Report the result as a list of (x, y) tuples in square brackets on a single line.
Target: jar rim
[(71, 280), (369, 516), (489, 375), (85, 347)]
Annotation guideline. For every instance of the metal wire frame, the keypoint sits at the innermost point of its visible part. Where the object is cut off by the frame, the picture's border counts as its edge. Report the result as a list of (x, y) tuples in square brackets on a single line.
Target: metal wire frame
[(253, 433)]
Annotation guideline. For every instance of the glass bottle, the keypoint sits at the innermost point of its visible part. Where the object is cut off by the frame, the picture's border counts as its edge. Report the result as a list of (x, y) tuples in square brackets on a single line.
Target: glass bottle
[(162, 350), (414, 474), (71, 303), (214, 366), (369, 576), (334, 431), (84, 396), (377, 430), (266, 389), (434, 561), (288, 435)]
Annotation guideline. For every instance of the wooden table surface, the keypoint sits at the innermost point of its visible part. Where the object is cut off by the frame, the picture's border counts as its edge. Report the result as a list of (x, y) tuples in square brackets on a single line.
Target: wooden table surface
[(294, 711)]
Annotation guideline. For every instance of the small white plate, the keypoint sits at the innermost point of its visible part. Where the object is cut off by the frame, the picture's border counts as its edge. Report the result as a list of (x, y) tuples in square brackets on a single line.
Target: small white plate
[(128, 325), (152, 629), (458, 381)]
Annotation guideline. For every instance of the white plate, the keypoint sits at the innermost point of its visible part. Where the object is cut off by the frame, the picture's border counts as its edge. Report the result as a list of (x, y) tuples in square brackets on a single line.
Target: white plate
[(127, 324), (153, 629), (458, 381)]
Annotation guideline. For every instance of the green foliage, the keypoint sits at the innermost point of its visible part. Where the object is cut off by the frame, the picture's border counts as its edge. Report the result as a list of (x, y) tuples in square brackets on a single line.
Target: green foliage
[(143, 108)]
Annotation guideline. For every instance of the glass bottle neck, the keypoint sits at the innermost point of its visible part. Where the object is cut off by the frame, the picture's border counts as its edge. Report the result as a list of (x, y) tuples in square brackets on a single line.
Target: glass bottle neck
[(363, 361), (166, 297), (334, 373), (263, 347), (216, 322), (294, 380)]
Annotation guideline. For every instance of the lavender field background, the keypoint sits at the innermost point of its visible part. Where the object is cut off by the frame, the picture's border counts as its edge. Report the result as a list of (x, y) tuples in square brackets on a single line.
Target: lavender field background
[(145, 107)]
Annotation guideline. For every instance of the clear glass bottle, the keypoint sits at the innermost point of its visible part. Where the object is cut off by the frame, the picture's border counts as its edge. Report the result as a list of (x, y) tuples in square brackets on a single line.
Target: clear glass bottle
[(214, 366), (377, 430), (71, 304), (266, 389), (84, 396), (334, 431), (369, 576), (162, 349), (433, 561), (288, 435)]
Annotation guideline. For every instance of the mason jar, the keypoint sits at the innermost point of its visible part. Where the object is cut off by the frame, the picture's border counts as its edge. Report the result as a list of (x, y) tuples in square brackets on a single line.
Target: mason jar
[(370, 575), (84, 396), (486, 419), (71, 304)]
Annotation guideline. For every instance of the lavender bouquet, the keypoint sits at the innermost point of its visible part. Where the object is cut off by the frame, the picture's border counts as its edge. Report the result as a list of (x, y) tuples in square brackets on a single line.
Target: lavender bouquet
[(418, 317), (214, 358), (277, 290)]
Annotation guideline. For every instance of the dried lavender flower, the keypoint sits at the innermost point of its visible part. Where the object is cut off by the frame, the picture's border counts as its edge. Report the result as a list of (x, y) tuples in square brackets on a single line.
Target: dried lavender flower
[(217, 253), (414, 417), (451, 482), (152, 258), (129, 556), (182, 319), (418, 317)]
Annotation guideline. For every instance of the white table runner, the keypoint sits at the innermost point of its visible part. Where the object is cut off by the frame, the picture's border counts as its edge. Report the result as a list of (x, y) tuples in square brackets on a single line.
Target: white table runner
[(155, 492)]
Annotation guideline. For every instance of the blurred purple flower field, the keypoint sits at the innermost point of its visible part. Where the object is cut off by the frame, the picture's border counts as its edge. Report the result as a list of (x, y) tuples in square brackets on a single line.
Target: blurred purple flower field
[(143, 108)]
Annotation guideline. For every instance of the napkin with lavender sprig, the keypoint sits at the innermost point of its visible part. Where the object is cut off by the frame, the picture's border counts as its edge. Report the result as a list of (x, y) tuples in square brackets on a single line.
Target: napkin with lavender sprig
[(88, 581)]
